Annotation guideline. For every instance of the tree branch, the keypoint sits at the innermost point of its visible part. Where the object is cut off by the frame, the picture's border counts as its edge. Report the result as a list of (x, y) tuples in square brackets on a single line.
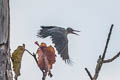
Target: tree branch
[(112, 59), (101, 60), (34, 55), (107, 42), (89, 74), (98, 68)]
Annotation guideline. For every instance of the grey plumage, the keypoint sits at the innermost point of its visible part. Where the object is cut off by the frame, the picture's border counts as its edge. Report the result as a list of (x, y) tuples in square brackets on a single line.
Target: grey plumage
[(59, 38)]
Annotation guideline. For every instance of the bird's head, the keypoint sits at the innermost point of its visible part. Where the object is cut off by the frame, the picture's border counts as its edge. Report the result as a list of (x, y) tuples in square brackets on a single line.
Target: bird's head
[(72, 31)]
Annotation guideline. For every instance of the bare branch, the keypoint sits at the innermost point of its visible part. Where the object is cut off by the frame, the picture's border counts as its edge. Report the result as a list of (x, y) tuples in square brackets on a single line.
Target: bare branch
[(29, 52), (89, 74), (34, 55), (107, 42), (101, 60), (112, 59), (98, 67)]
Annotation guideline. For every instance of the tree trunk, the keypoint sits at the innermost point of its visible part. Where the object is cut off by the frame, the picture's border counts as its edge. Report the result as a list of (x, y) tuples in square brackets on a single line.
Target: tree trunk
[(5, 64)]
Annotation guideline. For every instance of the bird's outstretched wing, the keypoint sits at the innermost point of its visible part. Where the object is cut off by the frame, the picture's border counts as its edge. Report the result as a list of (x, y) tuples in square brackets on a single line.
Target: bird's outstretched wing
[(59, 38)]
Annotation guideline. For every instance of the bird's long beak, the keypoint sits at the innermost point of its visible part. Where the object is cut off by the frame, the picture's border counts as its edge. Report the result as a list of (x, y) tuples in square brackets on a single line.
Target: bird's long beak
[(75, 31)]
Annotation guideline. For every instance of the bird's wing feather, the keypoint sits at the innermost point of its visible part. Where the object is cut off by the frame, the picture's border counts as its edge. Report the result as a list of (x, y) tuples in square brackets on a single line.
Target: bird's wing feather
[(61, 44), (59, 38), (44, 31)]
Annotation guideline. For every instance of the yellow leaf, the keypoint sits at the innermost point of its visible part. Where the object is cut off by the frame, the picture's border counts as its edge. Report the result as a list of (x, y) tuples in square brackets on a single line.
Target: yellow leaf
[(16, 60)]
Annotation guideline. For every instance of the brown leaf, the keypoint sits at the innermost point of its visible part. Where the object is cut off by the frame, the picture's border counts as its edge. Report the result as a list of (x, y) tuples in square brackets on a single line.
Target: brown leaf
[(46, 57)]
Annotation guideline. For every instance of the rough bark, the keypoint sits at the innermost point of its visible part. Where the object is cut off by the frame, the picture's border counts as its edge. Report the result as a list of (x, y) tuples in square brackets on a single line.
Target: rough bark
[(5, 65)]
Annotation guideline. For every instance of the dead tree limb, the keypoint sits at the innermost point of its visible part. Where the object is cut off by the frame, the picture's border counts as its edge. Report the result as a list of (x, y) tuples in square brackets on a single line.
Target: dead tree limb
[(89, 74), (101, 59), (107, 42), (112, 59)]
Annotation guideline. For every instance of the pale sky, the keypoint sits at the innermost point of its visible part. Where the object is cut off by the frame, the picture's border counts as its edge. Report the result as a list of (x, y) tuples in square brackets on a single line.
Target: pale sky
[(92, 17)]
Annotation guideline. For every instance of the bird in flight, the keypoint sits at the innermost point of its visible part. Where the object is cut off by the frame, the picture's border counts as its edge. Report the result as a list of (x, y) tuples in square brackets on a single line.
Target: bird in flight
[(59, 38)]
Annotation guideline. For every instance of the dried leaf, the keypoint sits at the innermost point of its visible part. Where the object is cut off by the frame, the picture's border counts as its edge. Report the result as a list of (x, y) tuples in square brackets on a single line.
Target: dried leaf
[(16, 60), (46, 58)]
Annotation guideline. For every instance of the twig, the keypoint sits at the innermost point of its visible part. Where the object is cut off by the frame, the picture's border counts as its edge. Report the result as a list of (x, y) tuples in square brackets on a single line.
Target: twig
[(107, 42), (112, 59), (29, 52), (34, 55), (89, 74)]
